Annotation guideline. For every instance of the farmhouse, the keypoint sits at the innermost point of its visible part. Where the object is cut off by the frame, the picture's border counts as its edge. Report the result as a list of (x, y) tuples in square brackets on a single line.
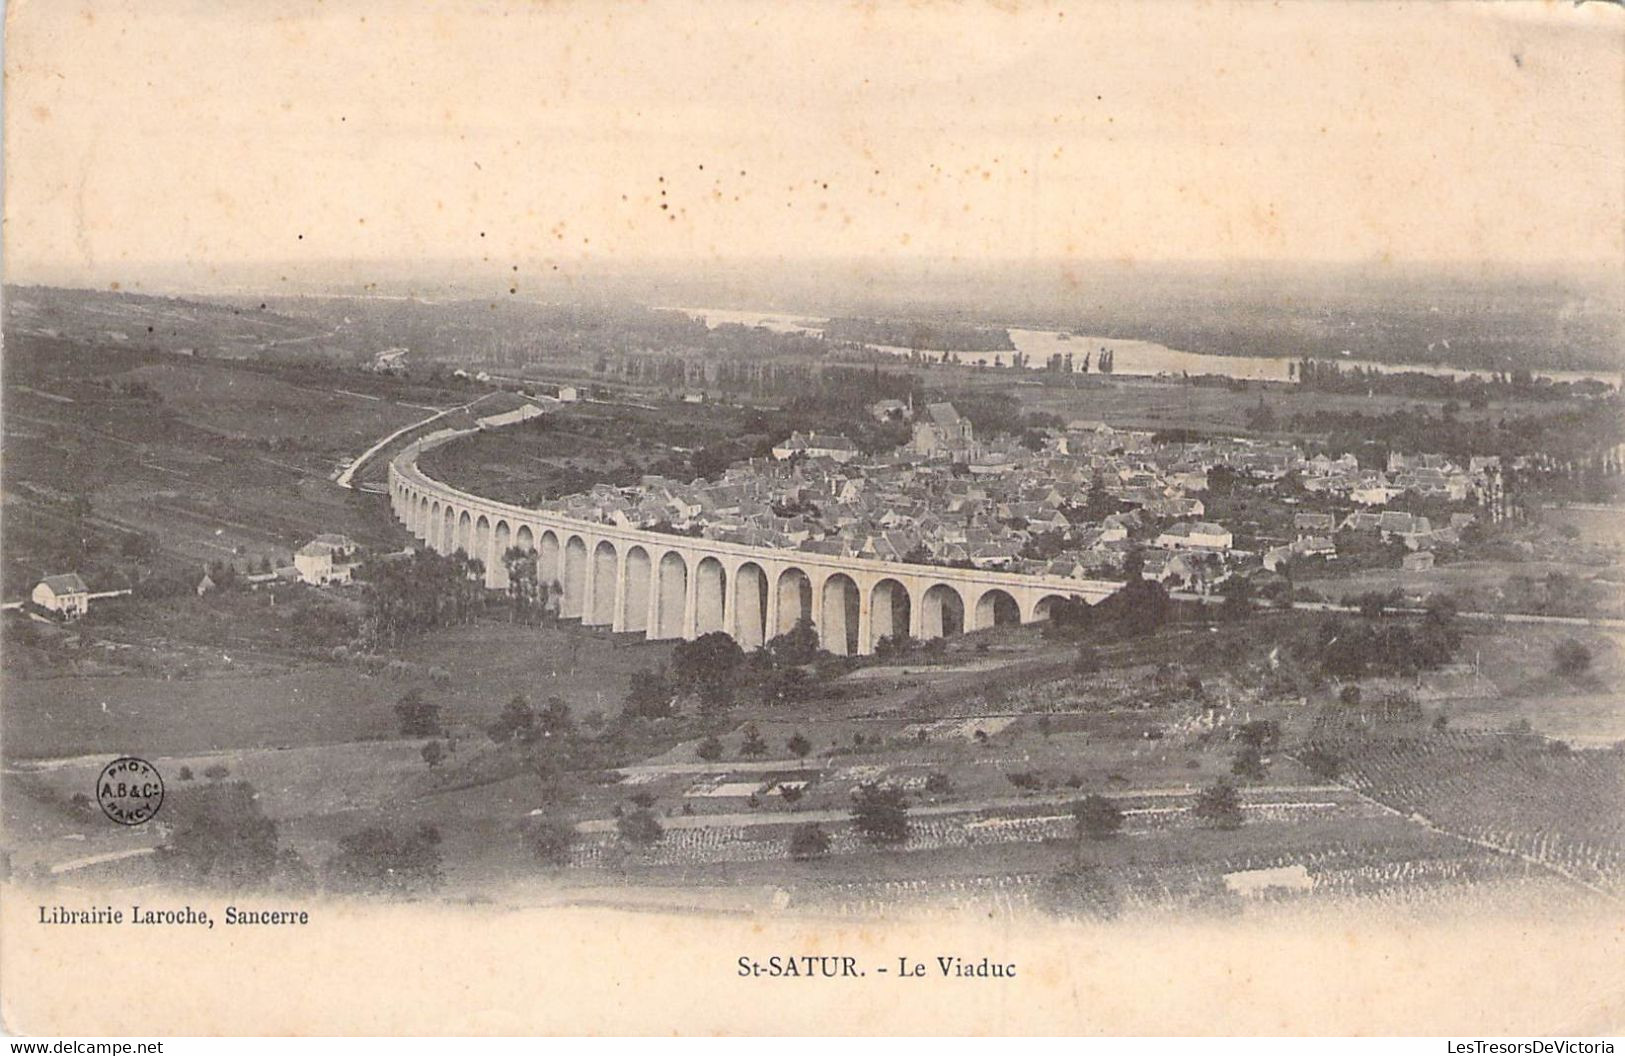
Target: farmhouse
[(1170, 568), (1176, 506), (65, 594), (1204, 535), (815, 445), (1308, 524), (1374, 494), (328, 558), (891, 411)]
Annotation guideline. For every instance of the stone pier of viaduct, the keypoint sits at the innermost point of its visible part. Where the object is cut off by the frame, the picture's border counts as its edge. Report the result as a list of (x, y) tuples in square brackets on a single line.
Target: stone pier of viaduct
[(673, 586)]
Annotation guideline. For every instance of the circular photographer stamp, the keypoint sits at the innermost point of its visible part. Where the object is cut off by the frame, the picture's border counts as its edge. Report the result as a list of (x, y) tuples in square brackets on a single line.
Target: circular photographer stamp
[(130, 790)]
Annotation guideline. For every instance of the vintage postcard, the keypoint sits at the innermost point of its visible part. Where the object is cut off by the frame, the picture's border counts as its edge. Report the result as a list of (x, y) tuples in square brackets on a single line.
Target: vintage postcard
[(818, 518)]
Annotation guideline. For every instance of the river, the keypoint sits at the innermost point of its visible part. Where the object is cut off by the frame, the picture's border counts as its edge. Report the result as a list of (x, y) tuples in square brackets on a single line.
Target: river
[(1129, 356)]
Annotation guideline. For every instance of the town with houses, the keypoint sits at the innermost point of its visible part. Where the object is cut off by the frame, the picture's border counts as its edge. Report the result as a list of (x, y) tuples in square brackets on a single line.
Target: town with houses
[(948, 498)]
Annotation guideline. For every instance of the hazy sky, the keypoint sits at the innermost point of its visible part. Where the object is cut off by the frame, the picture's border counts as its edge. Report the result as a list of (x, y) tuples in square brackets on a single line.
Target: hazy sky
[(214, 132)]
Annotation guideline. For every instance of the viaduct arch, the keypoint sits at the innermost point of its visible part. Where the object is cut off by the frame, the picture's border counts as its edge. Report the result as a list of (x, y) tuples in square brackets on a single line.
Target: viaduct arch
[(671, 586)]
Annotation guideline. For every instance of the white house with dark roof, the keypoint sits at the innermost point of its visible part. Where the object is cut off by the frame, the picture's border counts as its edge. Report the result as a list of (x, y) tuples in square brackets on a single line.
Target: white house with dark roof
[(328, 558), (1307, 524), (65, 594), (816, 445), (1202, 535)]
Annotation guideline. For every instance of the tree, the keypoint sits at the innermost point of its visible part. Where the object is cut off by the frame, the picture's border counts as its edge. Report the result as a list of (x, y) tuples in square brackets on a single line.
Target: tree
[(516, 723), (784, 685), (433, 753), (1248, 763), (527, 597), (1138, 608), (795, 647), (1261, 419), (717, 699), (893, 645), (709, 749), (380, 860), (418, 717), (648, 696), (1571, 658), (1263, 734), (1440, 619), (1098, 504), (1097, 817), (799, 746), (706, 663), (554, 719), (1374, 603), (225, 840), (639, 827), (753, 743), (1238, 598), (880, 813), (808, 841), (550, 839), (1219, 806), (419, 593), (1087, 662), (1222, 481)]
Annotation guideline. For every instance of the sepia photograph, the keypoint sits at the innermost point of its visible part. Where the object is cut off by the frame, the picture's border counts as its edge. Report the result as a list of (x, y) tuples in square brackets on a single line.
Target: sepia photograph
[(813, 518)]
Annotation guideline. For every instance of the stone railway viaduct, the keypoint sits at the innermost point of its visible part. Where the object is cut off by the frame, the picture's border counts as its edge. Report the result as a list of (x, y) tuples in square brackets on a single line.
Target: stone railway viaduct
[(672, 586)]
